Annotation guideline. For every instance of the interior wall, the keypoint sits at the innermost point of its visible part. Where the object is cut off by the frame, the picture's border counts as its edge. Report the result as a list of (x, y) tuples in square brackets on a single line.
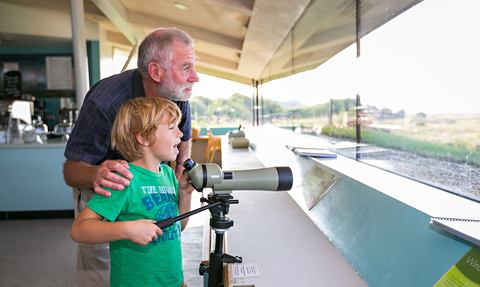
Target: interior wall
[(106, 54), (24, 20)]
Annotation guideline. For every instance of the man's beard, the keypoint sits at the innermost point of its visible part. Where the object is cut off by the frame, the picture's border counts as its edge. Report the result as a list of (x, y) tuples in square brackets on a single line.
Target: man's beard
[(172, 91)]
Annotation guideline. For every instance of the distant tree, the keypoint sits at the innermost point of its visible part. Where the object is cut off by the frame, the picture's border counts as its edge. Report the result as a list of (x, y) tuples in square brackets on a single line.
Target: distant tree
[(200, 105), (236, 107), (401, 114), (386, 111), (420, 119), (272, 107), (338, 106), (239, 107), (350, 104)]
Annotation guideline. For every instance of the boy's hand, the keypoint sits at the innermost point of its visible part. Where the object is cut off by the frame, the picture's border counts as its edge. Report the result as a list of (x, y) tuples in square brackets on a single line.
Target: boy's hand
[(142, 231)]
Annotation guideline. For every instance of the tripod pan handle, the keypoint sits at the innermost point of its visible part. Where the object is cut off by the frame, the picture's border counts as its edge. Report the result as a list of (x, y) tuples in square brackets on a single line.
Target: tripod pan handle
[(165, 223)]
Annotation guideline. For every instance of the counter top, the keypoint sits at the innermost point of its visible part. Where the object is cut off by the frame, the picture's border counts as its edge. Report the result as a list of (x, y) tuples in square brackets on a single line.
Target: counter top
[(52, 143), (272, 231)]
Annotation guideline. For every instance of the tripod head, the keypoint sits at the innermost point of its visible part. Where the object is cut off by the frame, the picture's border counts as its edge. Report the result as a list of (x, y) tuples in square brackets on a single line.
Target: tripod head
[(211, 175)]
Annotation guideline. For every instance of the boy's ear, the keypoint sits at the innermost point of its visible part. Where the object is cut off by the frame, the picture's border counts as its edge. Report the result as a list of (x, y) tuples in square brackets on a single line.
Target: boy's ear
[(141, 140), (155, 71)]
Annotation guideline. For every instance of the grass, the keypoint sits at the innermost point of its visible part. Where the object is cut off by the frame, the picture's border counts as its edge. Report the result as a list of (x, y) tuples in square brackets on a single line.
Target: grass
[(458, 154)]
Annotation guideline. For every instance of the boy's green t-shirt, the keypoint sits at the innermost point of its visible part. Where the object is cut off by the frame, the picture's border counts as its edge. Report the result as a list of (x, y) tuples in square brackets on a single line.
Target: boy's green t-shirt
[(154, 196)]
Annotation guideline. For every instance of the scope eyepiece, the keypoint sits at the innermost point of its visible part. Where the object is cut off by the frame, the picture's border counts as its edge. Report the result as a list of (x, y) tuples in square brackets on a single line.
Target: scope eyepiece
[(188, 165)]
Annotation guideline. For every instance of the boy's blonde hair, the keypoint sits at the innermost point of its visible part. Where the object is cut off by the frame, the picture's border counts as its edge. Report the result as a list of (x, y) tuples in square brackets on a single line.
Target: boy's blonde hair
[(140, 116)]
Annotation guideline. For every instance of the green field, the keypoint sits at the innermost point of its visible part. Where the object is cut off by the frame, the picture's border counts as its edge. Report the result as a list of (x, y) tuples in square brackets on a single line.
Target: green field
[(453, 140)]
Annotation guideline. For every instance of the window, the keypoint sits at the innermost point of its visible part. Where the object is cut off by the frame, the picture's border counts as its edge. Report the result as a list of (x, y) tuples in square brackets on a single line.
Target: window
[(408, 104), (420, 96), (221, 105), (120, 57)]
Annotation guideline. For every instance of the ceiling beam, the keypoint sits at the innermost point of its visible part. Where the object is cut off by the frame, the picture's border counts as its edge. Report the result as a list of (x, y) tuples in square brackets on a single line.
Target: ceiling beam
[(117, 38), (216, 61), (203, 58), (117, 14), (270, 25), (152, 22), (244, 7), (223, 75)]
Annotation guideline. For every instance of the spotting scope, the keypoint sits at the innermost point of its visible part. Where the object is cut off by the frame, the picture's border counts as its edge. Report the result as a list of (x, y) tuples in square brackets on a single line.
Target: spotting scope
[(222, 183), (210, 175)]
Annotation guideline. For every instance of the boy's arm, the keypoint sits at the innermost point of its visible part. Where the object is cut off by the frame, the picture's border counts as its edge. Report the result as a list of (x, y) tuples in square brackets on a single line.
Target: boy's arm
[(185, 189), (89, 228)]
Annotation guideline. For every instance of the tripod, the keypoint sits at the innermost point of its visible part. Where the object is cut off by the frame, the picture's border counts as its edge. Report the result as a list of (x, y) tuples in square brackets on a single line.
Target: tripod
[(219, 206)]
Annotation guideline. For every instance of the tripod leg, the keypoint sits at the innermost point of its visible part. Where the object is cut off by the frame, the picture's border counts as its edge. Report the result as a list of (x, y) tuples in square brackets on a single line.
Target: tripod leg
[(217, 258), (215, 268)]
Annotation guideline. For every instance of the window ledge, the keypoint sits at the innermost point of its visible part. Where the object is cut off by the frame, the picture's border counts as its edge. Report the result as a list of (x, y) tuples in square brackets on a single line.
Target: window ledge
[(424, 198), (427, 199)]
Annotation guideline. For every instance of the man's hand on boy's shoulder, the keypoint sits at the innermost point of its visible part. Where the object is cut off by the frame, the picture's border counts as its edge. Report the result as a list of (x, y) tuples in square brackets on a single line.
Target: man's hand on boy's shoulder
[(105, 176)]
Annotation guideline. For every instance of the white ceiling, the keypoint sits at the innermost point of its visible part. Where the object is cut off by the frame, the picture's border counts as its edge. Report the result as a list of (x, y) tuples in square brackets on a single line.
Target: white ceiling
[(236, 39)]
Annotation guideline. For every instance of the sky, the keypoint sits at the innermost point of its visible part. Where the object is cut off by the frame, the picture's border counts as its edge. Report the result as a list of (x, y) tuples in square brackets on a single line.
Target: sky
[(213, 87), (425, 60)]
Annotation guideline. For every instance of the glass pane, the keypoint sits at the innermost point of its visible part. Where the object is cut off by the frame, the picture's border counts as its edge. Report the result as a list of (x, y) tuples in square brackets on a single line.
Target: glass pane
[(326, 29), (220, 104), (275, 99), (120, 57), (420, 96), (280, 65), (320, 52)]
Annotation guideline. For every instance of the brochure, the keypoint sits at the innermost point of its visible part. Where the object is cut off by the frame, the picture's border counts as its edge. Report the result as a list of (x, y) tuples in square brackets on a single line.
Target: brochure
[(313, 152), (466, 272)]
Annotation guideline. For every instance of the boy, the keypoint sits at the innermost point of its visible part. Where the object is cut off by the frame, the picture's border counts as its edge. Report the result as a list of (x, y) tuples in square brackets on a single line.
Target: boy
[(145, 132)]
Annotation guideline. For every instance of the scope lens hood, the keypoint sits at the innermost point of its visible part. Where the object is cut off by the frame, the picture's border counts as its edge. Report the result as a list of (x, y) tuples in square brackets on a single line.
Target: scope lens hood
[(285, 178)]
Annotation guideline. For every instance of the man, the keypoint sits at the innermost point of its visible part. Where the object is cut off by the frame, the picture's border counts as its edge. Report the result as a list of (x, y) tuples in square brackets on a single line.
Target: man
[(166, 68)]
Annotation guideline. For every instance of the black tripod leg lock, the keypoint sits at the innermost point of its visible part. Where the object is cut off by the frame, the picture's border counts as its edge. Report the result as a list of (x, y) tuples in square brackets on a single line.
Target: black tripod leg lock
[(227, 258)]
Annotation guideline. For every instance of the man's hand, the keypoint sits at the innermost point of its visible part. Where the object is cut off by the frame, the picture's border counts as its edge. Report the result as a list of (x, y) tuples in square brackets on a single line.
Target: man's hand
[(185, 184), (83, 175), (105, 176), (184, 150), (142, 231), (185, 189), (178, 170)]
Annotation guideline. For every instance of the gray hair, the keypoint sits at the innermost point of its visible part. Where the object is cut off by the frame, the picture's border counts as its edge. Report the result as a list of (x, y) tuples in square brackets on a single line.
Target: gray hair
[(158, 47)]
